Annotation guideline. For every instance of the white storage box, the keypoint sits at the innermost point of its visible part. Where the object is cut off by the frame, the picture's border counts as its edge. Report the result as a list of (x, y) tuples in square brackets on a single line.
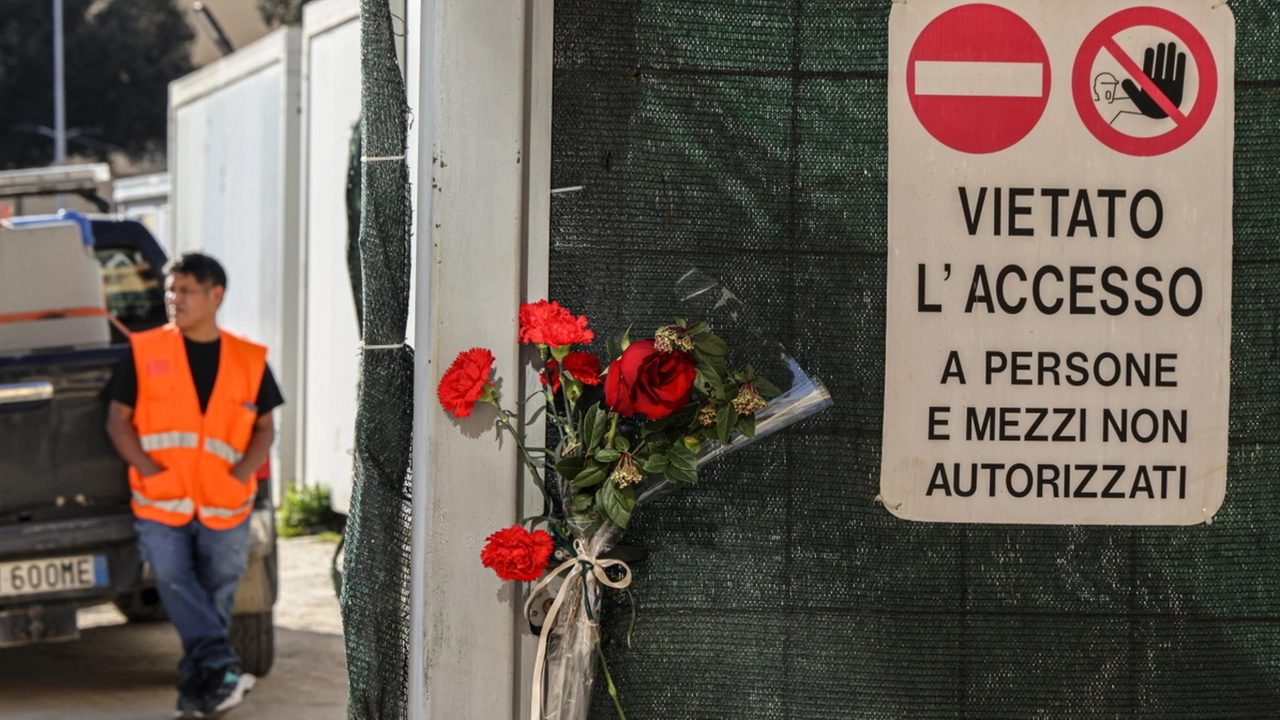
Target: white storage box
[(48, 268)]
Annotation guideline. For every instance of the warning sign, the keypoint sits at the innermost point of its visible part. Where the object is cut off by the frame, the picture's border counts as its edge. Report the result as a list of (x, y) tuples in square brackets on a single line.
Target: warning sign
[(978, 78), (1059, 277), (1145, 81)]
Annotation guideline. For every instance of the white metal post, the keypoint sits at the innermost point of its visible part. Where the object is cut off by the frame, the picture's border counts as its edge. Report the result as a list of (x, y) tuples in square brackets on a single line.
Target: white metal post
[(470, 88), (537, 277)]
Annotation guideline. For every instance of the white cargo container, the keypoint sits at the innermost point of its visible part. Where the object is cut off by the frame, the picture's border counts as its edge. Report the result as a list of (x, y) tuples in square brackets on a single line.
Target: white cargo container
[(330, 361), (145, 198), (233, 166)]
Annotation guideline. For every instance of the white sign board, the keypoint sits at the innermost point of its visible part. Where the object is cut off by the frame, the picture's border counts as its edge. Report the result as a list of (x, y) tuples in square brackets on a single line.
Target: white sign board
[(1059, 289)]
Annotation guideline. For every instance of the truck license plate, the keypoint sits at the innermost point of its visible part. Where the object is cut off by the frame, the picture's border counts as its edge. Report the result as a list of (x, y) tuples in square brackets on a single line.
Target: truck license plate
[(29, 577)]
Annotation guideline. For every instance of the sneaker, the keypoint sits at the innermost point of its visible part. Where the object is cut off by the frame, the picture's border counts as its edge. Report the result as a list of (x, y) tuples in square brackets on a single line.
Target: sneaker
[(229, 693), (189, 707)]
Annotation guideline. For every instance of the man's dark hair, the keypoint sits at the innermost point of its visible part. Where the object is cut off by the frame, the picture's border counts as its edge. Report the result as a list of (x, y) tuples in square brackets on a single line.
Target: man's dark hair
[(207, 271)]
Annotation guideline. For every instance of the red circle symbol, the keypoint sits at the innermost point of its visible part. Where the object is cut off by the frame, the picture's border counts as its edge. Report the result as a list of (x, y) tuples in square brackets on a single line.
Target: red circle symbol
[(978, 78), (1103, 38)]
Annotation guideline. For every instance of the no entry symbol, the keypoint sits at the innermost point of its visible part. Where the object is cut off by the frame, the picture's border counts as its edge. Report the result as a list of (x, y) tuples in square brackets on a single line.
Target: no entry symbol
[(1163, 87), (978, 78)]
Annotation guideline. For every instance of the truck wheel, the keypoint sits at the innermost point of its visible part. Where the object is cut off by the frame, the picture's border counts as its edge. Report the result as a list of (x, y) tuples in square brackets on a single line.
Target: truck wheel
[(253, 635), (141, 606)]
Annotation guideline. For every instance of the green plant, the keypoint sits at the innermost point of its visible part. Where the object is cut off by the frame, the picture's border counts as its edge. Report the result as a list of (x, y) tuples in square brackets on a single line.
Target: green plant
[(306, 511)]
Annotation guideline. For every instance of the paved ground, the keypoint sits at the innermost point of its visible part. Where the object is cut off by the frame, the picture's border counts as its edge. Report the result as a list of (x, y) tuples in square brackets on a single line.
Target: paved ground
[(128, 672)]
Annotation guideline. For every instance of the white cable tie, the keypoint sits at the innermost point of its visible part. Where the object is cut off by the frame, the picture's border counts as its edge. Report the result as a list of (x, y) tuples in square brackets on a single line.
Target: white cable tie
[(381, 347), (383, 158), (575, 188)]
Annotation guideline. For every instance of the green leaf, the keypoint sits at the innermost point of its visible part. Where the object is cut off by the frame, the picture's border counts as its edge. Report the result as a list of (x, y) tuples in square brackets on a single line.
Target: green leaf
[(616, 503), (766, 389), (682, 465), (707, 375), (594, 426), (655, 465), (676, 475), (747, 425), (569, 467), (582, 502), (709, 344), (607, 455), (698, 328), (726, 419), (626, 337), (592, 475), (621, 443), (614, 349), (716, 363)]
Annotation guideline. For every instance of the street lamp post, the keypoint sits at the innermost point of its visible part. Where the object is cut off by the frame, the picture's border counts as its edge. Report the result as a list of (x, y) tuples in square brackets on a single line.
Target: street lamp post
[(59, 96)]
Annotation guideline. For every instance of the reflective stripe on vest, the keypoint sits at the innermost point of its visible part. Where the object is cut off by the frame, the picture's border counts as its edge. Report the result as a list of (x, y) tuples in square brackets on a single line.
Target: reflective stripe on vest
[(182, 506), (166, 440), (212, 511), (222, 450)]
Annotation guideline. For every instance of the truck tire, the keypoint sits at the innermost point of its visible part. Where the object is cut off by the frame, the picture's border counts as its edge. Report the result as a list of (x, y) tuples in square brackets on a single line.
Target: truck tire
[(253, 635), (141, 606)]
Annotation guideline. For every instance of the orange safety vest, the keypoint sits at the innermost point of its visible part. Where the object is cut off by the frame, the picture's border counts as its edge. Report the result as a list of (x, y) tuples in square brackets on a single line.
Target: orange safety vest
[(196, 450)]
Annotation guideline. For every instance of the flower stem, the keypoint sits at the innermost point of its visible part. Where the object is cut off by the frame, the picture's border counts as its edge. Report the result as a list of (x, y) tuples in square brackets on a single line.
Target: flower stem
[(613, 429), (608, 679), (565, 421), (504, 421)]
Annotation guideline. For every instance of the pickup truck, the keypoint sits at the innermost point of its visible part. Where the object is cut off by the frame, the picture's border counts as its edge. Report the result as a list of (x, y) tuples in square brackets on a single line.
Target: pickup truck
[(71, 288)]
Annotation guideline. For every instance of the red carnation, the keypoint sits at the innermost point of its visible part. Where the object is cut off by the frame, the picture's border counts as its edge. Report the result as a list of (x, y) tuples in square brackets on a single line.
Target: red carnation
[(466, 382), (650, 381), (517, 554), (546, 323), (583, 366), (552, 366)]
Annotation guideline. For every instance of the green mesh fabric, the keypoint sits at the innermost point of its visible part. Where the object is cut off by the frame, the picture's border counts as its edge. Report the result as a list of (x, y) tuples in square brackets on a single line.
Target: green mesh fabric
[(748, 139), (375, 588), (354, 205)]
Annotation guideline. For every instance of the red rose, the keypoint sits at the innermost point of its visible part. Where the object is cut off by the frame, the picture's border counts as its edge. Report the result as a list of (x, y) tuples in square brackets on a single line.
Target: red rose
[(547, 323), (466, 382), (517, 554), (650, 381)]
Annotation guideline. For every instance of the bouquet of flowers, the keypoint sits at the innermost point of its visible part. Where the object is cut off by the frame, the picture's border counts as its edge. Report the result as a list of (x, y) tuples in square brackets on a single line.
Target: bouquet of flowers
[(624, 434)]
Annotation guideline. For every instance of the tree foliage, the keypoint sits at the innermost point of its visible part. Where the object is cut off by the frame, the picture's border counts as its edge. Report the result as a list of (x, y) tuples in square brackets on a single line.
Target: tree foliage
[(120, 57), (281, 12)]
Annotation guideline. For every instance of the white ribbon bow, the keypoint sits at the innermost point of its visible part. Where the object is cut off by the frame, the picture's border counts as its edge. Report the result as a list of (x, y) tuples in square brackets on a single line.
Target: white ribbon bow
[(597, 572)]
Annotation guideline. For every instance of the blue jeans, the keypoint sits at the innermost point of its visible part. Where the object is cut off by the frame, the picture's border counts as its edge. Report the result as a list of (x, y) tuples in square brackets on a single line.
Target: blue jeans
[(197, 571)]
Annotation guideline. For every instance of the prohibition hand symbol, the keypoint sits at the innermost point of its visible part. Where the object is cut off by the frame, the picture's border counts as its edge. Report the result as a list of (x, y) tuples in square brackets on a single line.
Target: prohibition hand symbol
[(1165, 69), (1157, 90)]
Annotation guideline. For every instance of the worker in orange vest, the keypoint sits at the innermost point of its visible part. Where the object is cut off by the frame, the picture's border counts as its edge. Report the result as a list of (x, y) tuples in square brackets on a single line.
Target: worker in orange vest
[(191, 414)]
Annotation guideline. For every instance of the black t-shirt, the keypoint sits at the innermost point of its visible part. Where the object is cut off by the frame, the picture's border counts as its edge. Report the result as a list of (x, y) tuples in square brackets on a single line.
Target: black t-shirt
[(203, 359)]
